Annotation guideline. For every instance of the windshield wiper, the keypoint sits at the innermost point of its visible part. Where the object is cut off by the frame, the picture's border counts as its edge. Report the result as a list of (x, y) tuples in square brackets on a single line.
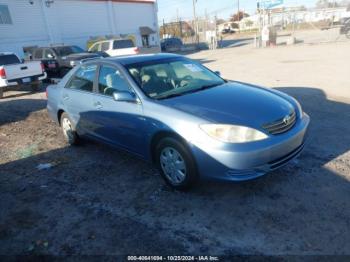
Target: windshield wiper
[(208, 86), (190, 91), (170, 96)]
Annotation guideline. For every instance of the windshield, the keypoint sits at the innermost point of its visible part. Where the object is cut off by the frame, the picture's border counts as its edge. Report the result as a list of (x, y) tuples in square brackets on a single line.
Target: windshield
[(9, 60), (175, 77), (68, 50)]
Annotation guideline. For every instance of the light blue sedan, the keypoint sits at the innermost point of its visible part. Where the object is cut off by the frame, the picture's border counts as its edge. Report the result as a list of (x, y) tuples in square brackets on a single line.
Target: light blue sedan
[(181, 116)]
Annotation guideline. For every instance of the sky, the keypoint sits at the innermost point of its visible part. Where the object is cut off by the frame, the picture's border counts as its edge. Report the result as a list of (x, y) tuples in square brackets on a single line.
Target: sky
[(169, 9)]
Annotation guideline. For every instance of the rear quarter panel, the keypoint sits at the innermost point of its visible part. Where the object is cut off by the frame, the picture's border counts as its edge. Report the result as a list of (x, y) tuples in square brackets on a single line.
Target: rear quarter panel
[(54, 96)]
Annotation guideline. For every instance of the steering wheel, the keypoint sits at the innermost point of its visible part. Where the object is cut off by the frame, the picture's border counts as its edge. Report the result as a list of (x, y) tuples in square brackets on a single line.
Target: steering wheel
[(185, 80), (188, 77)]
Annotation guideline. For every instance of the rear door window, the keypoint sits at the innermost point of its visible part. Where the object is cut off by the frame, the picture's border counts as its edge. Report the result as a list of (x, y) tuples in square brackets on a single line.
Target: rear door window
[(119, 44), (38, 54), (9, 59), (83, 79)]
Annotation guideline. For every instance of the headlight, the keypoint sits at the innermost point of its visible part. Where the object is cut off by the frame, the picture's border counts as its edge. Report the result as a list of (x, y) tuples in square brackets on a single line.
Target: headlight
[(232, 133), (73, 63)]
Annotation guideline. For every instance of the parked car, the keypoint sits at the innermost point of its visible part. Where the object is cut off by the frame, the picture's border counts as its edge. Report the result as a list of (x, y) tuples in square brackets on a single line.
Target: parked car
[(171, 44), (58, 60), (13, 72), (115, 47), (181, 116), (345, 27)]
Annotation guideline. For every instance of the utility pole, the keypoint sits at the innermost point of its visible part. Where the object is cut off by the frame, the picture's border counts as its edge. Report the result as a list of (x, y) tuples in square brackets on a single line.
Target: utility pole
[(238, 14), (164, 31), (195, 21)]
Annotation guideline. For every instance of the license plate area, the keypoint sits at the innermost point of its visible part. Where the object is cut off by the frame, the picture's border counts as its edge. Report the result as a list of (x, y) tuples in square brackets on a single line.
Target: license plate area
[(26, 80)]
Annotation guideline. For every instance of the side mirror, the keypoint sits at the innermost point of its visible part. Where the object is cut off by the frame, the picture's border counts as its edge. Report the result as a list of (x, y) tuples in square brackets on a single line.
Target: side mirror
[(124, 96), (218, 73)]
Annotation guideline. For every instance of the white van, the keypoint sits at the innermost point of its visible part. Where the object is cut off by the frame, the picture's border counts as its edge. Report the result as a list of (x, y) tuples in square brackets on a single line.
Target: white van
[(115, 47)]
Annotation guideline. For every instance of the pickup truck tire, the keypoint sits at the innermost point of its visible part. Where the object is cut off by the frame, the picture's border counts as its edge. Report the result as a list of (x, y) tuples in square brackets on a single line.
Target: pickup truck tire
[(36, 86)]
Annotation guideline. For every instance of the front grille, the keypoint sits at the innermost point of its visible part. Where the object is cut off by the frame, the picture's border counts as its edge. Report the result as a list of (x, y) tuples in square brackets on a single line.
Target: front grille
[(282, 125)]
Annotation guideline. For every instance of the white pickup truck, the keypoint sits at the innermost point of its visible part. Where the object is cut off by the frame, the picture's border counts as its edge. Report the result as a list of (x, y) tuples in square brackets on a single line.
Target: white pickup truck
[(13, 72)]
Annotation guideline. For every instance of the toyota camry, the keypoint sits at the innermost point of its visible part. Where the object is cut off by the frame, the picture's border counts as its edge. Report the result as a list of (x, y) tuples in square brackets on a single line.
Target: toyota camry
[(181, 116)]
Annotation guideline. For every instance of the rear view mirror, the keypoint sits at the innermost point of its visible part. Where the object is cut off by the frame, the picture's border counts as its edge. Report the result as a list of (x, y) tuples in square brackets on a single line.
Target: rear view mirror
[(124, 96)]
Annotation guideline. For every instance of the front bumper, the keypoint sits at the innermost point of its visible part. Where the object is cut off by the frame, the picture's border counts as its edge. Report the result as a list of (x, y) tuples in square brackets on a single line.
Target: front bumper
[(239, 162)]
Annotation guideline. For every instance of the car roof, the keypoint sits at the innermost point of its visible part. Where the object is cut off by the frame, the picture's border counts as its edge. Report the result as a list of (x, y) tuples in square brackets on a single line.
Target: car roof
[(134, 59), (54, 46), (7, 53), (113, 39)]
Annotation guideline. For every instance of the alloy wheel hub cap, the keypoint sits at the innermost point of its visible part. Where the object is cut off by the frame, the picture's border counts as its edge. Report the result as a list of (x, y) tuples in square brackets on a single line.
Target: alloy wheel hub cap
[(173, 165)]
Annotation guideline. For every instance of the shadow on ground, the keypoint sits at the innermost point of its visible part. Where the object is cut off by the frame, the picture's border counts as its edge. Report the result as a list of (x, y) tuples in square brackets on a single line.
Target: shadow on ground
[(19, 109), (97, 200)]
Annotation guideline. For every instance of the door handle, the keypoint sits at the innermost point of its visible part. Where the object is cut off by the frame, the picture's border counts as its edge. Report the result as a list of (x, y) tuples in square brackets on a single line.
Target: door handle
[(98, 105), (65, 97)]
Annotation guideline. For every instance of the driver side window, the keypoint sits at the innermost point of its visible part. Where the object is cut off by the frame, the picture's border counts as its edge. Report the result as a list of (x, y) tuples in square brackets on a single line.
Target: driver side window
[(110, 80)]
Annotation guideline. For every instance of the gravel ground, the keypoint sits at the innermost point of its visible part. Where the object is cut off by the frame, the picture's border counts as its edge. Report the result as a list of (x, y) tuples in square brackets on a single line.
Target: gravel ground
[(96, 200)]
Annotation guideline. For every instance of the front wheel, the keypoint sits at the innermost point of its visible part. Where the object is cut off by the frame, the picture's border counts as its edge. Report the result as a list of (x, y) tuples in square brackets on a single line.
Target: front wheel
[(68, 129), (176, 164)]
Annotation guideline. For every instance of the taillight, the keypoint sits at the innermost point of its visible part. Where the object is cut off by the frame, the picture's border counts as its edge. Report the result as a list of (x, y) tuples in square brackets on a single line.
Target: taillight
[(136, 50), (2, 73), (46, 92), (42, 67)]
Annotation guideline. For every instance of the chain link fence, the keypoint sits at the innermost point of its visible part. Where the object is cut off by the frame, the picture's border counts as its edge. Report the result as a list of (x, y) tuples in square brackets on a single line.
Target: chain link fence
[(281, 27)]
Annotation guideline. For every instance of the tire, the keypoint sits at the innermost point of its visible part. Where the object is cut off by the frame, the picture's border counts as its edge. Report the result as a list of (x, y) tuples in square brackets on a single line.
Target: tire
[(176, 164), (68, 129), (348, 34), (36, 86)]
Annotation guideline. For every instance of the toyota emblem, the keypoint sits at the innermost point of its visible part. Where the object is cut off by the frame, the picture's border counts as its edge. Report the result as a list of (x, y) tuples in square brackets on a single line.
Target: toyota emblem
[(286, 120)]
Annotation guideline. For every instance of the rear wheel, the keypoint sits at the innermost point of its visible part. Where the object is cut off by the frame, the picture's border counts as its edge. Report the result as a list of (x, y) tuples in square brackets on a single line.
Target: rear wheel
[(348, 34), (36, 86), (68, 129), (176, 164)]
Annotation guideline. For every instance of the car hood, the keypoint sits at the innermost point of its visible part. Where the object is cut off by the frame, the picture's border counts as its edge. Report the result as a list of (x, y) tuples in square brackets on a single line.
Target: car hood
[(233, 103), (80, 56)]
